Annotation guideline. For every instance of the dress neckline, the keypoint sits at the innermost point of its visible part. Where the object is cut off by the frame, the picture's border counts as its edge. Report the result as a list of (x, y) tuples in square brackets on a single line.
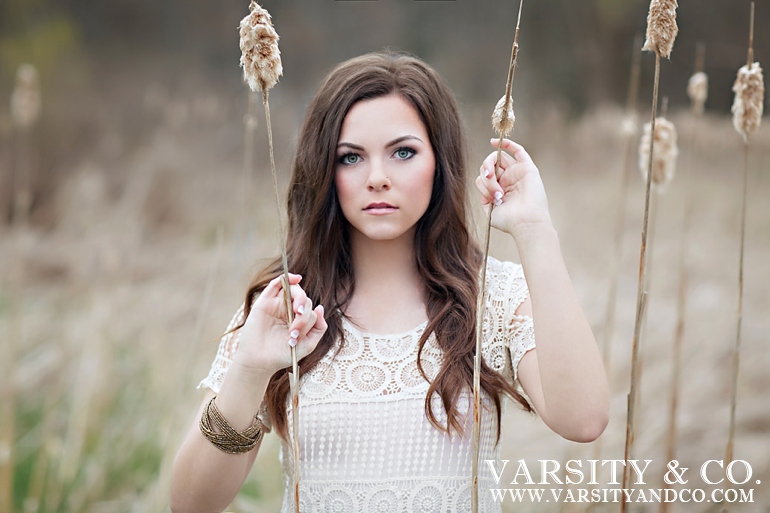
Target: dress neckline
[(358, 331)]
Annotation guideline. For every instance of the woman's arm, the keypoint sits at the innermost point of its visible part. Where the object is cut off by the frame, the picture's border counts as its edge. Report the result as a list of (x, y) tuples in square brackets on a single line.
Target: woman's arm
[(564, 376), (204, 478)]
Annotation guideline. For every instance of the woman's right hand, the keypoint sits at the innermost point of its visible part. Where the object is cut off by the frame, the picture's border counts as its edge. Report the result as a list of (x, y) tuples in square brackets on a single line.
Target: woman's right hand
[(266, 339)]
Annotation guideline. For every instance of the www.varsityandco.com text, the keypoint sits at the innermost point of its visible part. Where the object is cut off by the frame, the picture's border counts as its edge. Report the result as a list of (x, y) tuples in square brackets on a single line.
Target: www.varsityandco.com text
[(713, 481)]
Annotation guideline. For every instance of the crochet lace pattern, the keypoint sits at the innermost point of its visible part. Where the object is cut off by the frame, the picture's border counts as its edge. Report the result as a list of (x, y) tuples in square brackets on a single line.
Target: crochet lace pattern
[(365, 441)]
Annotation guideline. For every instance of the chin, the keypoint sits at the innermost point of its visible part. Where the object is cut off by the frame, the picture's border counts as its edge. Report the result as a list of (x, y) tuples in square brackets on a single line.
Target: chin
[(384, 234)]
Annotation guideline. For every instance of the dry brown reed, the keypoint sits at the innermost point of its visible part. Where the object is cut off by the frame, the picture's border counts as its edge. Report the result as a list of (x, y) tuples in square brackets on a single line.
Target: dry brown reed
[(661, 27), (260, 57), (748, 104), (501, 121), (661, 32), (747, 114), (261, 62), (503, 118), (663, 164)]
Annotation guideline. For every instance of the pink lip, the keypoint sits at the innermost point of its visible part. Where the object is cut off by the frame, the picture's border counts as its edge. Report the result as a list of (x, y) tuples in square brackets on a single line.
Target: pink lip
[(380, 208)]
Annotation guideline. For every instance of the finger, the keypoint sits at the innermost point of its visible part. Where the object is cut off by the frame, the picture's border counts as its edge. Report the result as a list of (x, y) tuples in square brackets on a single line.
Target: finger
[(486, 196), (308, 318), (488, 166), (490, 189), (302, 323), (275, 286), (320, 325), (309, 343), (515, 149), (298, 298)]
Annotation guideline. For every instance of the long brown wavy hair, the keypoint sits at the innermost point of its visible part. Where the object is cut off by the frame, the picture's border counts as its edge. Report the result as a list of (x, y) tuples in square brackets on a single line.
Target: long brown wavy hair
[(447, 258)]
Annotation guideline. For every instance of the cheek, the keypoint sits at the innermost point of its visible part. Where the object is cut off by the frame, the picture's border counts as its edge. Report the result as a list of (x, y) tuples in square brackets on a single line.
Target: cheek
[(423, 184), (344, 188)]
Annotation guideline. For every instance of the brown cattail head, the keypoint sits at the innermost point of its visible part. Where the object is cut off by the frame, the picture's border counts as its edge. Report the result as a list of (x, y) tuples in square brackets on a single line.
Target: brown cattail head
[(25, 99), (260, 57), (661, 27), (664, 154), (698, 91), (502, 119), (749, 90)]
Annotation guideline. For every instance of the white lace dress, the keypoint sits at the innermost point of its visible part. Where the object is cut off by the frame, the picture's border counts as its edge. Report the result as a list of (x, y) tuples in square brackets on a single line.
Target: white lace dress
[(365, 442)]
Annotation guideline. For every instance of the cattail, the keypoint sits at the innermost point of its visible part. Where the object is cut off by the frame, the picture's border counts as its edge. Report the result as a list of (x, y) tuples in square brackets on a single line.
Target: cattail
[(661, 27), (664, 156), (25, 99), (747, 109), (661, 32), (698, 90), (260, 57), (503, 119), (261, 62), (749, 88)]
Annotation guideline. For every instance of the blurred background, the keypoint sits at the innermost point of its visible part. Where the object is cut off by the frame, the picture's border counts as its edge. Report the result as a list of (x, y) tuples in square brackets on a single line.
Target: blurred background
[(130, 226)]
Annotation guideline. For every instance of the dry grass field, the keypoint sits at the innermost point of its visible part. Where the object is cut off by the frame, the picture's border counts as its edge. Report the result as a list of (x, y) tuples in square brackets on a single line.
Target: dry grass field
[(113, 309)]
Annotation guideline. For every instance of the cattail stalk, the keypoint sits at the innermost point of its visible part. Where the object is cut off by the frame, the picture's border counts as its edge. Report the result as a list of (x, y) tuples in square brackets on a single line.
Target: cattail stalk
[(503, 121), (698, 91), (663, 167), (661, 32), (747, 111), (261, 64)]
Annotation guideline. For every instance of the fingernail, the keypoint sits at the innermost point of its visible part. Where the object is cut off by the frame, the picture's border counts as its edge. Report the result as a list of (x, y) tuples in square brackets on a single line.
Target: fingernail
[(498, 195), (294, 334), (498, 202), (301, 309), (292, 342), (487, 173)]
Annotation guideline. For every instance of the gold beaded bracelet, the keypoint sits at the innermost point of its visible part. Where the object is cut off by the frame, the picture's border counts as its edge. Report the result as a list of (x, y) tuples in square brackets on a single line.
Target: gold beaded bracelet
[(228, 439)]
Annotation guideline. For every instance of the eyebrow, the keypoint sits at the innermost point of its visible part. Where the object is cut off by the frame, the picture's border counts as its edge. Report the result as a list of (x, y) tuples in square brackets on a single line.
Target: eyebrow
[(391, 143)]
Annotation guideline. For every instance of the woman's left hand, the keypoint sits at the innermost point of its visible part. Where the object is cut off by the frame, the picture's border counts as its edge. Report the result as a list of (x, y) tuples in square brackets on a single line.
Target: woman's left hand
[(517, 191)]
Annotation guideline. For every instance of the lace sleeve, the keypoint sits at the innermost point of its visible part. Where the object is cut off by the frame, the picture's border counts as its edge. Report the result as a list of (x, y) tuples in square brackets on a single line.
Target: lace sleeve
[(512, 334), (228, 346)]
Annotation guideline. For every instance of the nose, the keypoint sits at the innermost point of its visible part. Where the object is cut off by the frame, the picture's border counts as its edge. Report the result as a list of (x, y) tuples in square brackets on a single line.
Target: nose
[(377, 180)]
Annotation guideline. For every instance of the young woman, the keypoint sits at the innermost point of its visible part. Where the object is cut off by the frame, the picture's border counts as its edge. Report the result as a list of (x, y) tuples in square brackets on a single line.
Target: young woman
[(384, 295)]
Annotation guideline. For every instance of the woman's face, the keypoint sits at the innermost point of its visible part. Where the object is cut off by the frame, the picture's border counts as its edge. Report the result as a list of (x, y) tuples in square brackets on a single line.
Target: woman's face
[(384, 168)]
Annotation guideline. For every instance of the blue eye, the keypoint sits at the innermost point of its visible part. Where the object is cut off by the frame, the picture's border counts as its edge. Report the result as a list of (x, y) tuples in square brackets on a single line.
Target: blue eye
[(405, 153), (346, 160)]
